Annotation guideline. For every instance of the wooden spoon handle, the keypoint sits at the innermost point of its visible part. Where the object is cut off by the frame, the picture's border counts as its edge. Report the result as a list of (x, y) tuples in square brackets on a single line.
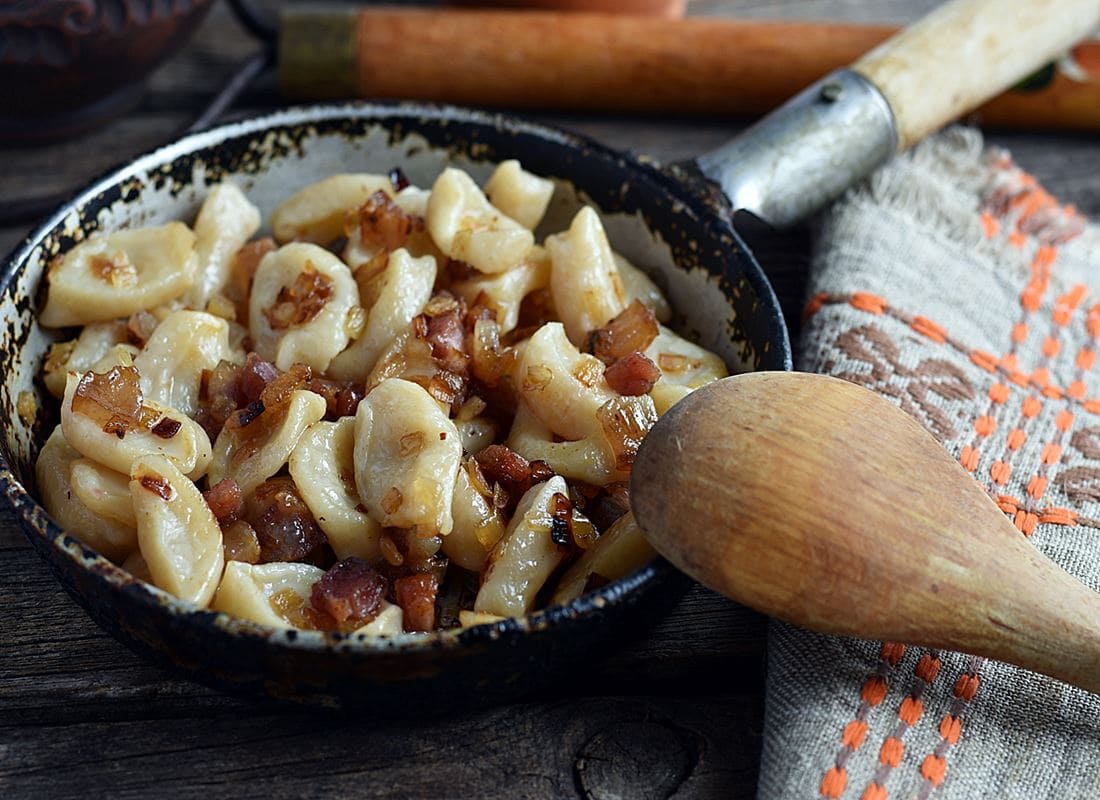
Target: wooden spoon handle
[(967, 51), (818, 502), (606, 63)]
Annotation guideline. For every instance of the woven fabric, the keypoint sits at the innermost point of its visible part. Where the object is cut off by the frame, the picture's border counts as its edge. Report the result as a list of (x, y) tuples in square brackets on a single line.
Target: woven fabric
[(954, 285)]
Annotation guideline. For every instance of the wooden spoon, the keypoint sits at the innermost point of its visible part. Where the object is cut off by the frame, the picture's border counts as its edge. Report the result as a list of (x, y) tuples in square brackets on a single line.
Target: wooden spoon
[(818, 502)]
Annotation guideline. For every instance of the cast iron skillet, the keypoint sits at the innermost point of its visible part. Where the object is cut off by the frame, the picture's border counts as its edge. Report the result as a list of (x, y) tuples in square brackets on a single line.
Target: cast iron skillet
[(683, 237)]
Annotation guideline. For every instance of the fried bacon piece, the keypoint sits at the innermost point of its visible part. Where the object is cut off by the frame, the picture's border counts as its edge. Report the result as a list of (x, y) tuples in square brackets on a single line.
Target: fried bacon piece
[(140, 326), (625, 422), (283, 523), (225, 500), (229, 387), (633, 330), (341, 397), (381, 223), (632, 375), (351, 589), (502, 465), (416, 595)]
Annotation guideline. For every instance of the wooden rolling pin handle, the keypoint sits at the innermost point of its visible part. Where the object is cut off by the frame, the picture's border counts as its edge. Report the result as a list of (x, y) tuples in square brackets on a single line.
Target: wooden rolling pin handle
[(606, 63)]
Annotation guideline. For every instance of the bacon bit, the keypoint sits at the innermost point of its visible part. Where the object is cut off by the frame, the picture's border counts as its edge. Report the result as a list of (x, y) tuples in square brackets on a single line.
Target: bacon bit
[(254, 377), (167, 428), (342, 398), (561, 520), (240, 543), (300, 302), (156, 484), (398, 180), (140, 327), (351, 589), (625, 422), (112, 399), (225, 500), (243, 270), (510, 471), (284, 525), (382, 223), (410, 445), (442, 436), (416, 595), (634, 329), (279, 390), (114, 269), (393, 500), (632, 375)]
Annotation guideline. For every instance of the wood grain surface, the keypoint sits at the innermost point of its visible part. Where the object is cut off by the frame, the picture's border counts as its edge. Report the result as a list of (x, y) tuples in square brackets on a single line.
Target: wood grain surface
[(678, 713)]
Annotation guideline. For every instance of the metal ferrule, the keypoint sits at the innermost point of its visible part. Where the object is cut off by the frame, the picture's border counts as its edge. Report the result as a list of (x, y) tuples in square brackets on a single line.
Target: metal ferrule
[(808, 151)]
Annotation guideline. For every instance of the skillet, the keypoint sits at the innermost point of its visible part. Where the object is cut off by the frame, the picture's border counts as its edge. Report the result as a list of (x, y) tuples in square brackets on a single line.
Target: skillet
[(674, 223)]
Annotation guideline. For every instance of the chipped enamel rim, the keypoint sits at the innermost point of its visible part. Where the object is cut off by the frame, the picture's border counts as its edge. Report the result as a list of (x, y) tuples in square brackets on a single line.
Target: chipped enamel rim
[(162, 167)]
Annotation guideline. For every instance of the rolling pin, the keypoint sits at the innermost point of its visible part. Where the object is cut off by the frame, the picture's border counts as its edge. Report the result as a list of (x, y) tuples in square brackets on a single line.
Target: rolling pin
[(615, 63)]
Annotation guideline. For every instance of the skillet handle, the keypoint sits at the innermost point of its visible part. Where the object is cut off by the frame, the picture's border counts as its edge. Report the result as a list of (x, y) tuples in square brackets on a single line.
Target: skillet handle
[(836, 132), (965, 52)]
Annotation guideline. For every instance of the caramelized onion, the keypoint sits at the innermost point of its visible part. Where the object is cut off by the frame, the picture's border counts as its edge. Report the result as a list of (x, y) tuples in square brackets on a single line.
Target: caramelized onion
[(240, 543), (633, 330), (625, 422), (112, 399), (381, 223), (300, 302)]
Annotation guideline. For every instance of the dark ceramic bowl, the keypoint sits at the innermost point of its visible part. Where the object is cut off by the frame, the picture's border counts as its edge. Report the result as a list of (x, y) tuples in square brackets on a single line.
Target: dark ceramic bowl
[(67, 65), (689, 248)]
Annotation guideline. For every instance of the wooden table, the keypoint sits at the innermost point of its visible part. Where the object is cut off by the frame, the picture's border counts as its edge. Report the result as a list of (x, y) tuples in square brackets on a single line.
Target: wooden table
[(678, 712)]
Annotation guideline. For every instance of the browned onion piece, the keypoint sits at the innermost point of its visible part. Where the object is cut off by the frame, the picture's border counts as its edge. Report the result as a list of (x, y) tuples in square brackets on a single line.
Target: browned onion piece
[(243, 270), (416, 595), (632, 375), (382, 223), (625, 422), (633, 330), (112, 398), (240, 542), (300, 302), (279, 390), (351, 589), (284, 525), (225, 500), (561, 520)]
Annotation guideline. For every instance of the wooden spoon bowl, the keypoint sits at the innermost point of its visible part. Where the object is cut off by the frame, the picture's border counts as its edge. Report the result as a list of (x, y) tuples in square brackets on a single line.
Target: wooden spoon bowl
[(817, 501)]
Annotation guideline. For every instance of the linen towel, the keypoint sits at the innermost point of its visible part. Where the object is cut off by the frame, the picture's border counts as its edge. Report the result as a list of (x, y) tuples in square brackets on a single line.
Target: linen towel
[(955, 286)]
